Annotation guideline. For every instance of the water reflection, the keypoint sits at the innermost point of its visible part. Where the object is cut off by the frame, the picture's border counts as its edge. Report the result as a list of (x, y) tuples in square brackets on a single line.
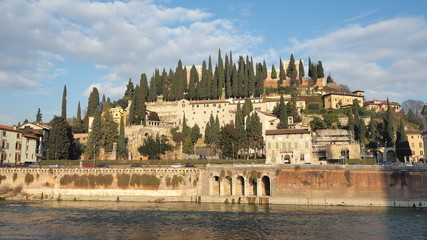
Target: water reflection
[(120, 220)]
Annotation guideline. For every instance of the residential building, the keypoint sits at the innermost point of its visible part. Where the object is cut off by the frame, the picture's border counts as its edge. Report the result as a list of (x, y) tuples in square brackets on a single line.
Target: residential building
[(17, 146), (424, 115), (415, 139), (288, 146), (118, 113), (81, 138), (42, 132), (338, 100), (381, 106)]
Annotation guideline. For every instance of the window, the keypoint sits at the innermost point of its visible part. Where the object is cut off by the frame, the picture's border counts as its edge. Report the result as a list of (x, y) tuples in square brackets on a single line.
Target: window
[(306, 144), (214, 105), (301, 157), (3, 144), (4, 133), (269, 146), (277, 145), (420, 145), (412, 144), (421, 153), (18, 135)]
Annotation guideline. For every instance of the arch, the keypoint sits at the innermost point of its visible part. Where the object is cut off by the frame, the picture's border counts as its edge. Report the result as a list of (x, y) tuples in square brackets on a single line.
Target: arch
[(227, 183), (265, 186), (240, 186), (216, 185)]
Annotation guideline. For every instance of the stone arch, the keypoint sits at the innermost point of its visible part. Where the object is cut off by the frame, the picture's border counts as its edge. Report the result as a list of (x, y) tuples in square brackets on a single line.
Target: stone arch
[(265, 186), (216, 185), (240, 185), (227, 185)]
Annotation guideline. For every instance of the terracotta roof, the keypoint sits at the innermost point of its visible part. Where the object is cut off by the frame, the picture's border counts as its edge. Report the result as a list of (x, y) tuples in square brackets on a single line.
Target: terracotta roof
[(13, 129), (267, 113), (286, 131), (342, 94), (30, 136)]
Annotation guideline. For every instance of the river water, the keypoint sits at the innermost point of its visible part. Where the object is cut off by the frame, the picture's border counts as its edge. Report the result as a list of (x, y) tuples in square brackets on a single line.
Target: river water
[(124, 220)]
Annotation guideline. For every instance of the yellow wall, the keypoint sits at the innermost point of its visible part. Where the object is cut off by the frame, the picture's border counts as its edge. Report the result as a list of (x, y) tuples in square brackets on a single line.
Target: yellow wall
[(335, 101)]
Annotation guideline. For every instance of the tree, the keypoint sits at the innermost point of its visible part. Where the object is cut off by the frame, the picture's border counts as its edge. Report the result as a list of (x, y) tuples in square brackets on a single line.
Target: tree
[(301, 72), (282, 75), (239, 123), (291, 72), (412, 108), (388, 135), (229, 138), (194, 80), (60, 139), (129, 89), (93, 104), (247, 107), (331, 120), (79, 112), (254, 133), (212, 132), (108, 130), (38, 116), (154, 147), (64, 103), (273, 72), (282, 113), (220, 74), (329, 79), (95, 136), (317, 124), (319, 67), (121, 142), (403, 149)]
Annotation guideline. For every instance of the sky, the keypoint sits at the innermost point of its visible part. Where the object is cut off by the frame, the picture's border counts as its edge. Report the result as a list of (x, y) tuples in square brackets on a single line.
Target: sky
[(376, 46)]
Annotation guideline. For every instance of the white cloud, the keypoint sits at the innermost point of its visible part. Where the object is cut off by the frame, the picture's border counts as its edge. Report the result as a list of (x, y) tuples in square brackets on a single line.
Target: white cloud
[(122, 38), (387, 57)]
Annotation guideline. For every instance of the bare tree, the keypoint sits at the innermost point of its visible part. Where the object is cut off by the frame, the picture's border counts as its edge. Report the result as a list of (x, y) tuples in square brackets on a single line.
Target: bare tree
[(415, 105), (344, 88)]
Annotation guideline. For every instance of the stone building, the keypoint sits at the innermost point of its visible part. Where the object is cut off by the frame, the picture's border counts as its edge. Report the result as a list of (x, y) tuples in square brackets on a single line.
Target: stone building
[(288, 146), (334, 145)]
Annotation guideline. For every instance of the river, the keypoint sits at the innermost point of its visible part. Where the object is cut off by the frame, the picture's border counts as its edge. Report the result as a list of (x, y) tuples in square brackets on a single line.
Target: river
[(125, 220)]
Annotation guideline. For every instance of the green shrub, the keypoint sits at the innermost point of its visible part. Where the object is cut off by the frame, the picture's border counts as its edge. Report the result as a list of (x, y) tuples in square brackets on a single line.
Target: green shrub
[(104, 180), (67, 179), (177, 180), (29, 178), (2, 178), (135, 180), (151, 181), (123, 180), (81, 181), (92, 180), (169, 181), (313, 106)]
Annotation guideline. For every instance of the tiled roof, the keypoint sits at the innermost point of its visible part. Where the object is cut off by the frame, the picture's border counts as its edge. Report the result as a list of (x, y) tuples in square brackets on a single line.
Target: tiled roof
[(286, 131), (208, 102), (342, 94), (13, 129)]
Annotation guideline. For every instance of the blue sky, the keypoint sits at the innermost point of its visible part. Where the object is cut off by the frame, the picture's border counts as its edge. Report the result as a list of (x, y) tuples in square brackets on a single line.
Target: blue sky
[(376, 46)]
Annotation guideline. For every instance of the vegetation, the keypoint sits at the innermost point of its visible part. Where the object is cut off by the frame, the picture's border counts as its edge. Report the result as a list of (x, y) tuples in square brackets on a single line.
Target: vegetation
[(61, 140), (123, 180), (29, 178), (154, 147)]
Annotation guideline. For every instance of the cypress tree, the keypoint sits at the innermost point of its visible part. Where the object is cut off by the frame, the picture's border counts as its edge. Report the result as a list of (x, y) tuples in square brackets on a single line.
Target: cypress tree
[(171, 79), (259, 81), (194, 79), (64, 103), (251, 78), (291, 72), (129, 89), (273, 72), (220, 75), (301, 72), (140, 108), (79, 112), (388, 127), (320, 73), (152, 96), (240, 129), (282, 114), (310, 68), (235, 82), (254, 133), (247, 107), (282, 75), (329, 79), (166, 85), (108, 130), (38, 116), (60, 139), (132, 109), (264, 69), (143, 84), (95, 136), (121, 142), (242, 79), (403, 149), (214, 83), (228, 72), (93, 104), (209, 78), (314, 74)]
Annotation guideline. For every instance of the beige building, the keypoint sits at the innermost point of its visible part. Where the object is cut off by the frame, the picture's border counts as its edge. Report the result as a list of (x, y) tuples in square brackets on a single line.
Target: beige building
[(16, 146), (415, 139), (381, 106), (288, 146), (118, 113), (424, 115), (42, 132), (338, 100), (335, 144)]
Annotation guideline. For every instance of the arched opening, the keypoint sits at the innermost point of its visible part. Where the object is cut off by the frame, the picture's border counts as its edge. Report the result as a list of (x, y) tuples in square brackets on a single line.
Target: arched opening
[(287, 159), (265, 186), (391, 156), (227, 185), (216, 186), (240, 186)]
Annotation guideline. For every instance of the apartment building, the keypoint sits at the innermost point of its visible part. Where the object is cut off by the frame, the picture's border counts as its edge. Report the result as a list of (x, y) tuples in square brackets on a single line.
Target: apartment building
[(285, 146), (338, 100), (415, 139), (16, 146)]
